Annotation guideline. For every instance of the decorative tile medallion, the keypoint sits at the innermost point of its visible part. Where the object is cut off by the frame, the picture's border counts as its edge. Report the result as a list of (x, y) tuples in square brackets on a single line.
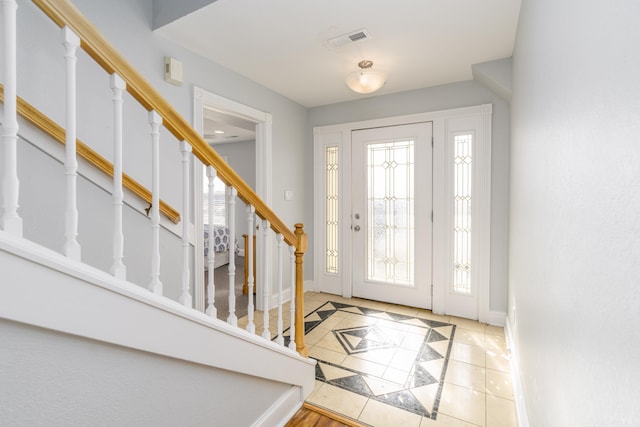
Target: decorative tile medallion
[(411, 353), (362, 339)]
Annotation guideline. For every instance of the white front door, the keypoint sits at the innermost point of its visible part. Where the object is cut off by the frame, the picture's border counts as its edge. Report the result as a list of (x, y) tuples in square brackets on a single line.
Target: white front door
[(391, 214)]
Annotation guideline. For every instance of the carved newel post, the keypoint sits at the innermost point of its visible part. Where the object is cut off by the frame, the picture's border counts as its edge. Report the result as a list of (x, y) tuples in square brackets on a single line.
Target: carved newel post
[(301, 248)]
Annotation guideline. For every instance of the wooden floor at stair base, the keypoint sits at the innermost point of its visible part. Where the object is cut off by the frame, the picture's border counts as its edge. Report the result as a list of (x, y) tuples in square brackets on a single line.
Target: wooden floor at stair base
[(314, 416)]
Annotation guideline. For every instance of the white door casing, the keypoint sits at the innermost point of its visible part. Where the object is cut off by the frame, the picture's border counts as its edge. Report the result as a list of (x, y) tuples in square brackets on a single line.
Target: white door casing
[(263, 122), (447, 124)]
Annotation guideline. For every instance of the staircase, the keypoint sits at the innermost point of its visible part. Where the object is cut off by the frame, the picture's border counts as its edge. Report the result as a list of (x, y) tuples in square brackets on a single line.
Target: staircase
[(97, 284)]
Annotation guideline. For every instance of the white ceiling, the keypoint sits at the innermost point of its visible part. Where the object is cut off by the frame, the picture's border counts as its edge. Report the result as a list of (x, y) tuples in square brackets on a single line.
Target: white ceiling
[(282, 44), (221, 128)]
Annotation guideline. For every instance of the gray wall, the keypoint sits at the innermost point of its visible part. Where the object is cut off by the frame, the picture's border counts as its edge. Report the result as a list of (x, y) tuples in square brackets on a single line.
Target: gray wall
[(127, 24), (574, 252), (166, 11), (42, 210), (463, 94), (242, 158), (55, 379)]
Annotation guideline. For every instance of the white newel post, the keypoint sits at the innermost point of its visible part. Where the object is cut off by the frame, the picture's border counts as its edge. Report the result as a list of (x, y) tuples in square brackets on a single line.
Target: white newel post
[(71, 42), (248, 252), (118, 269), (10, 221), (232, 319), (211, 308), (292, 303), (185, 296), (265, 280), (155, 121), (279, 338)]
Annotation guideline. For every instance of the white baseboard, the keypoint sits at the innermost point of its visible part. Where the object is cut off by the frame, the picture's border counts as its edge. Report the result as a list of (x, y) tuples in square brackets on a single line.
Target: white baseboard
[(286, 294), (309, 285), (273, 299), (282, 410), (518, 391), (497, 318)]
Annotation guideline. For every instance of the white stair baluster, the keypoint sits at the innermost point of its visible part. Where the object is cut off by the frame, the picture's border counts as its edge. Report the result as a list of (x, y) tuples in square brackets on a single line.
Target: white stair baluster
[(71, 248), (232, 319), (118, 269), (155, 121), (279, 338), (185, 296), (264, 275), (10, 221), (248, 252), (292, 302), (211, 254)]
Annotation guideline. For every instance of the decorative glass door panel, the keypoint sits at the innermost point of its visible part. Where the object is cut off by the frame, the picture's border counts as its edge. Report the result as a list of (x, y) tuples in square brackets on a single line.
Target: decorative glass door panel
[(391, 214), (462, 213), (390, 197)]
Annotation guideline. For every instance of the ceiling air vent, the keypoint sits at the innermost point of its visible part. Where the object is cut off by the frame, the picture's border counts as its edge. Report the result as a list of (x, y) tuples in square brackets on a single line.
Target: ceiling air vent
[(349, 38)]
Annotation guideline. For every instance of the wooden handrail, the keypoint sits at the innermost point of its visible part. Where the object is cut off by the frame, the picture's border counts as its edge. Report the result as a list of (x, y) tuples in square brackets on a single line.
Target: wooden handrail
[(54, 130), (63, 12)]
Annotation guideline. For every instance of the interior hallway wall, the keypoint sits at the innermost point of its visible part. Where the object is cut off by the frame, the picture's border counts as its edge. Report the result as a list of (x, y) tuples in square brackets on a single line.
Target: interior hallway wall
[(241, 156), (575, 196)]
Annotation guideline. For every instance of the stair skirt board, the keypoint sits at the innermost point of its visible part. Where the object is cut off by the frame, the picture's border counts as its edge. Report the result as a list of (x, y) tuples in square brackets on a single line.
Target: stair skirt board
[(42, 288)]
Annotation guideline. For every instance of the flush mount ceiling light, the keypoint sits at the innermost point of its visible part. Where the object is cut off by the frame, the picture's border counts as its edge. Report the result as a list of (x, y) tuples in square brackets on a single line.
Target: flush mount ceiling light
[(366, 80)]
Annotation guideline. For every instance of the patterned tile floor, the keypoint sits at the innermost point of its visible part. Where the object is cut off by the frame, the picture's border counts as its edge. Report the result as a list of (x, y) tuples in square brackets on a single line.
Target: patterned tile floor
[(388, 365)]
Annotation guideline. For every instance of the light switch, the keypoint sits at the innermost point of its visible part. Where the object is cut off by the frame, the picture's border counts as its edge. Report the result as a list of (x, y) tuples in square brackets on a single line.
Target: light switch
[(288, 195), (173, 71)]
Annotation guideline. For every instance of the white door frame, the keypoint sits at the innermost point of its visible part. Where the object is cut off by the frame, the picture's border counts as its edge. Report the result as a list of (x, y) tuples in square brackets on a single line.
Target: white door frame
[(445, 124), (263, 122)]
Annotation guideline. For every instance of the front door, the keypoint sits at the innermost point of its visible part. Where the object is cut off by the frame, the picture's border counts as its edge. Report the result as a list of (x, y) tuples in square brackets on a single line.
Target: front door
[(391, 218)]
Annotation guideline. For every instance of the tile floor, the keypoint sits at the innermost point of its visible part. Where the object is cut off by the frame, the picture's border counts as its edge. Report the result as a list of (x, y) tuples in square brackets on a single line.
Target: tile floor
[(388, 365)]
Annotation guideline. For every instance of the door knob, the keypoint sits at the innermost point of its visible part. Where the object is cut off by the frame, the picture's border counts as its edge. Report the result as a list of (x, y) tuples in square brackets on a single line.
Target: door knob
[(356, 228)]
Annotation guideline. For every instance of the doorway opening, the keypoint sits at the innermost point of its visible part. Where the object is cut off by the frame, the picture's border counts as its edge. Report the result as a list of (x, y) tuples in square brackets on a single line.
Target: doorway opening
[(237, 132)]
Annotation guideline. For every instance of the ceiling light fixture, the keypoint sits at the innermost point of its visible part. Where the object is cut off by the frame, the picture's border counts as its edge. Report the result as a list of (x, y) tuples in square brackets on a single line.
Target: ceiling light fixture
[(366, 80)]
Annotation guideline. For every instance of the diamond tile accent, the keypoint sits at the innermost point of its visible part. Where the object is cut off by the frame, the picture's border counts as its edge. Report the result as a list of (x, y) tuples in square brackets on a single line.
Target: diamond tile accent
[(433, 367), (354, 383), (362, 339), (398, 317), (377, 343), (331, 372), (355, 310), (435, 336), (426, 395), (445, 331), (441, 347), (405, 400), (380, 387)]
